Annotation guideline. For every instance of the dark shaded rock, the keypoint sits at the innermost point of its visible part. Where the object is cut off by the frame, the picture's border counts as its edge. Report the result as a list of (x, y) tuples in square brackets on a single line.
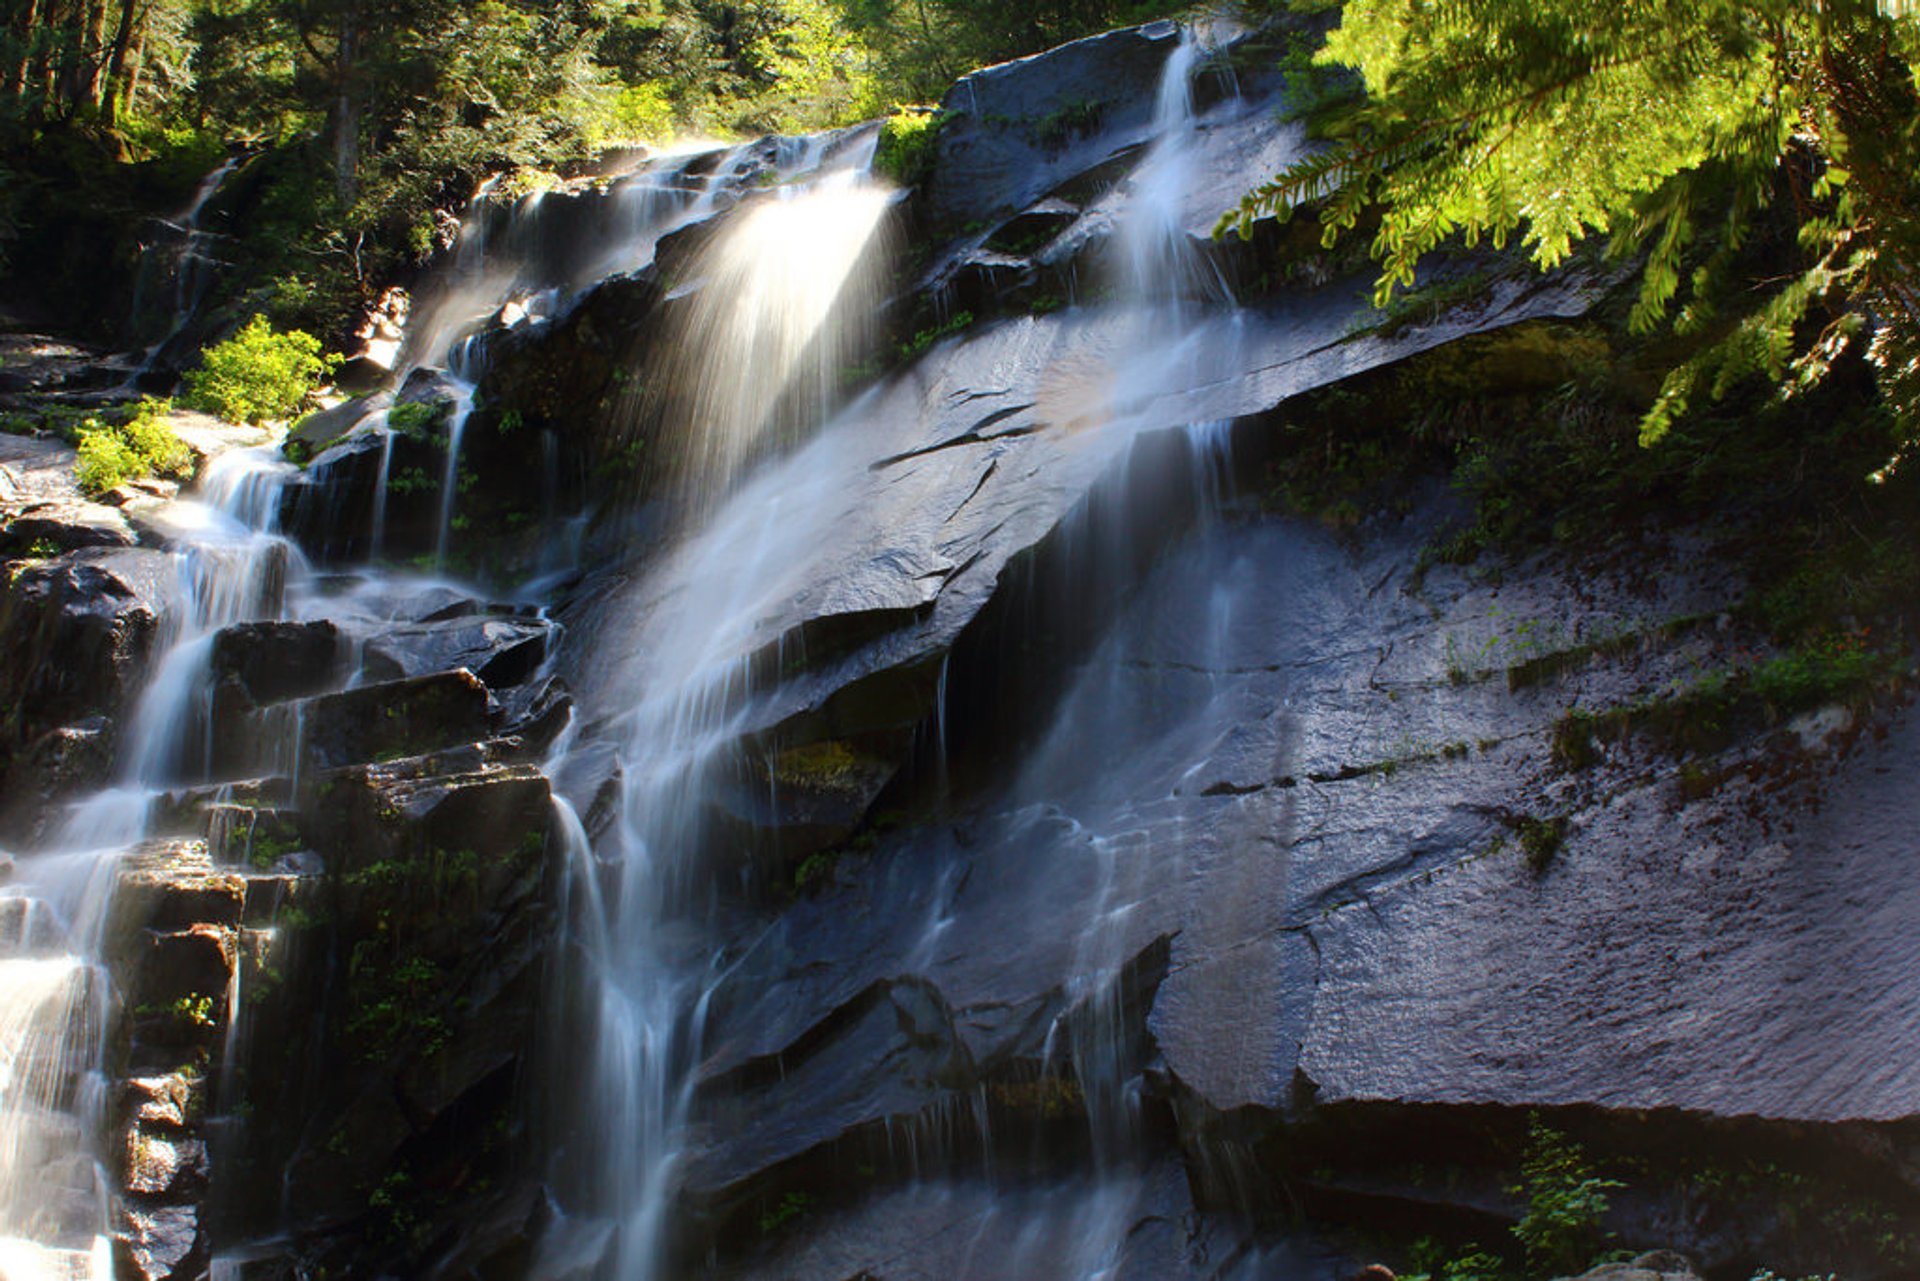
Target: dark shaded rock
[(323, 428), (58, 767), (434, 388), (503, 652), (1140, 1225), (197, 962), (395, 719), (75, 634), (793, 803), (1014, 132), (329, 510), (438, 884), (276, 661)]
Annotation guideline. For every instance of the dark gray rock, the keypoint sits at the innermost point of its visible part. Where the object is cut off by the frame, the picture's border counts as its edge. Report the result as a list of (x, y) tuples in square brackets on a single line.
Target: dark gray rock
[(318, 431), (395, 719), (1016, 131), (501, 651), (275, 661), (58, 767), (1136, 1224), (75, 633)]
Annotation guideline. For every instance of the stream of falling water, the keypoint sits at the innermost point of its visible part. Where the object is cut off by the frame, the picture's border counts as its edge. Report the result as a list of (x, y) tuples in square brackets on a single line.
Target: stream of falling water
[(781, 303), (229, 565), (55, 995), (772, 281)]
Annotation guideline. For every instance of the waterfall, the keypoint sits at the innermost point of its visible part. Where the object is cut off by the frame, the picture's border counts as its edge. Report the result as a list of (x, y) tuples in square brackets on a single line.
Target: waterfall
[(54, 990), (768, 326), (763, 516), (183, 259), (786, 292)]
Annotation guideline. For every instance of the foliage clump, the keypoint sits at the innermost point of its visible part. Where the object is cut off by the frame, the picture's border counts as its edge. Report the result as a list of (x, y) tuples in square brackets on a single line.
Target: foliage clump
[(1566, 1199), (259, 375), (114, 451), (906, 149), (1685, 132)]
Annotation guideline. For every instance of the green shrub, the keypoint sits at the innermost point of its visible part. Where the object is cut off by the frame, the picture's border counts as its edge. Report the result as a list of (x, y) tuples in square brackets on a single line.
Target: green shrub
[(114, 452), (1566, 1198), (905, 151), (258, 375)]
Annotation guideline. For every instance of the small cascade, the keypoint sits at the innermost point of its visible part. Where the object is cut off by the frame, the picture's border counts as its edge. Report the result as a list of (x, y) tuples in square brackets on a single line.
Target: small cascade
[(1160, 263), (450, 477), (787, 290), (54, 991), (180, 263)]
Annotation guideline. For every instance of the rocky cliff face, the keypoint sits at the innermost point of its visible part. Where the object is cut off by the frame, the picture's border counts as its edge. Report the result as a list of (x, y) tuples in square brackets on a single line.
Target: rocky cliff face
[(1104, 865)]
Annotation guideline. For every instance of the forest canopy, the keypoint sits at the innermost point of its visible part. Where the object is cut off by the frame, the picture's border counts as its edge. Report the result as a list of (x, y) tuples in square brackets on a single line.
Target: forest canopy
[(366, 116)]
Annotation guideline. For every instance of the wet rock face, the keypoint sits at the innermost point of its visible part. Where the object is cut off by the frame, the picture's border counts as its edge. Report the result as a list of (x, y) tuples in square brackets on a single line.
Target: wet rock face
[(75, 631), (1017, 130), (1314, 786), (75, 635)]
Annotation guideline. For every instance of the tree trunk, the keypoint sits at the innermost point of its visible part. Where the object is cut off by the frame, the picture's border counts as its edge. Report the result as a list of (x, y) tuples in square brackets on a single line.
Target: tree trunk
[(139, 62), (90, 84), (17, 69), (117, 61), (346, 106)]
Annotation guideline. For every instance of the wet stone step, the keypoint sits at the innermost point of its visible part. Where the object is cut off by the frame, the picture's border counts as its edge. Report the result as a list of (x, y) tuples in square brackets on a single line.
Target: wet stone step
[(501, 651), (271, 662), (395, 719), (173, 885)]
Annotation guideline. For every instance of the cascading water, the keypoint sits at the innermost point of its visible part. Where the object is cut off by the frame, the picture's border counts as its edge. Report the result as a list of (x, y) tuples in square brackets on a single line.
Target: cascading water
[(773, 303), (182, 263), (770, 312), (785, 292), (683, 703), (54, 991)]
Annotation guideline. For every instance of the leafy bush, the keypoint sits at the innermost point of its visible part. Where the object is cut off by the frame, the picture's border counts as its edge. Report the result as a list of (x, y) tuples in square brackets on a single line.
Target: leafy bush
[(259, 374), (1566, 1198), (906, 148), (114, 452), (640, 113)]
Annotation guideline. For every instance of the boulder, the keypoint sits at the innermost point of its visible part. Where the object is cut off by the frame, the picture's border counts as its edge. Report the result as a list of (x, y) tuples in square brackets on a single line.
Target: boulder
[(160, 1243), (1014, 132), (501, 651), (75, 633), (276, 661), (60, 766)]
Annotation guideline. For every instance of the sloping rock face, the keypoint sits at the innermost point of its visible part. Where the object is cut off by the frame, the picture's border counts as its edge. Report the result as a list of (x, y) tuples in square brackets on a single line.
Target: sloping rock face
[(1282, 811)]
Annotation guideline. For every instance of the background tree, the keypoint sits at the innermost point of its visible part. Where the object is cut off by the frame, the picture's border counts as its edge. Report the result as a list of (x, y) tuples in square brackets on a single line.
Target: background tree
[(1676, 127)]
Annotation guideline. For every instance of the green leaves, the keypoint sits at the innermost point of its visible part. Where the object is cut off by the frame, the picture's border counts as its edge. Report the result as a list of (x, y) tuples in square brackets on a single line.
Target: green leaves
[(258, 375), (1669, 126)]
